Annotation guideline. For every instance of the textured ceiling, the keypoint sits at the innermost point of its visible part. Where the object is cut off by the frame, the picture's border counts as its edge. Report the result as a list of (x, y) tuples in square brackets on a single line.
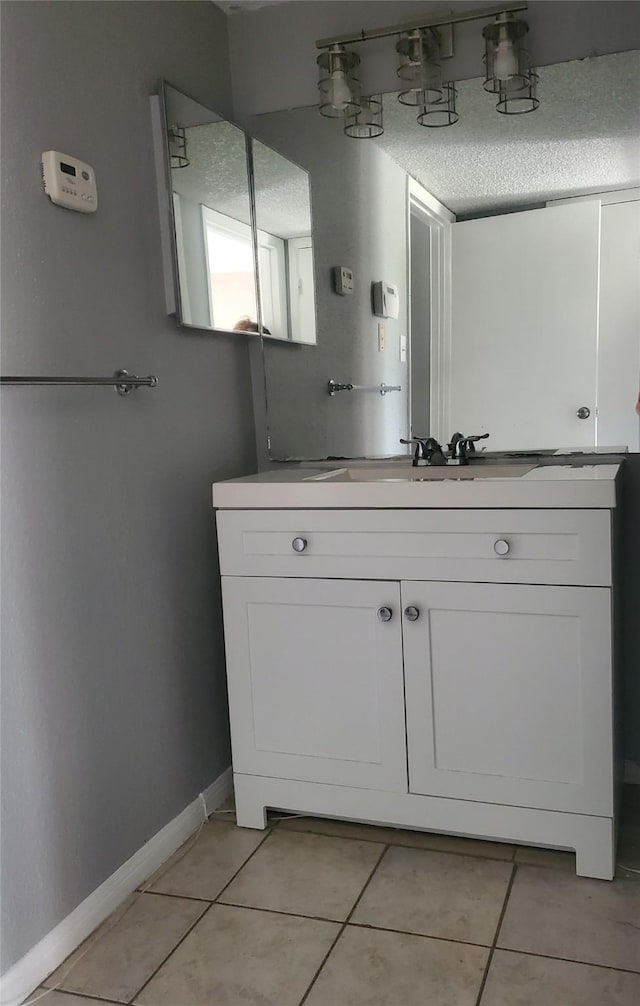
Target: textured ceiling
[(282, 194), (217, 177), (217, 170), (585, 137)]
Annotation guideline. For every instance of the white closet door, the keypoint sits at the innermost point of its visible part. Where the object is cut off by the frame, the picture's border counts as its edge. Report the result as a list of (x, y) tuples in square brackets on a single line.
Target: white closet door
[(524, 327), (302, 290), (315, 680), (509, 694), (619, 352)]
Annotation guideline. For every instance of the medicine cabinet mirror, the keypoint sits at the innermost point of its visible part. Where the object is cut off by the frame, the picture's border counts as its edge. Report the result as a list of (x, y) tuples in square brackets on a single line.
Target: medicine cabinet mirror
[(217, 227)]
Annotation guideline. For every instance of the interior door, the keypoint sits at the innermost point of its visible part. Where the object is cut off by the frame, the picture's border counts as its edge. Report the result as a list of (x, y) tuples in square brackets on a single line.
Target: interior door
[(509, 694), (524, 327), (302, 290), (315, 680)]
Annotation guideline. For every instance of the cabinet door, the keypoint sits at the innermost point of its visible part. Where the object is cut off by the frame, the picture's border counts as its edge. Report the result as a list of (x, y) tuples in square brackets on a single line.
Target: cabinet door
[(509, 694), (315, 680)]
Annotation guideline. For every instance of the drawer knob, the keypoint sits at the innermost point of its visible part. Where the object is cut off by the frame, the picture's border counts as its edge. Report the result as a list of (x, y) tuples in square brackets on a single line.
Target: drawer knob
[(299, 544), (385, 614), (411, 613), (501, 546)]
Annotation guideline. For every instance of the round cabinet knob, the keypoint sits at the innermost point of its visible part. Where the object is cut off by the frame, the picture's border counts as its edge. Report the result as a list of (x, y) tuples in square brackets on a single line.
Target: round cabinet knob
[(583, 412), (412, 614), (299, 544), (385, 614), (501, 546)]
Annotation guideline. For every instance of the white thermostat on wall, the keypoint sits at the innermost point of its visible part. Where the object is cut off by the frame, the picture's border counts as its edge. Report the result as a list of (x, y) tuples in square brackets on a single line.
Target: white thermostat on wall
[(69, 182), (386, 300), (342, 280)]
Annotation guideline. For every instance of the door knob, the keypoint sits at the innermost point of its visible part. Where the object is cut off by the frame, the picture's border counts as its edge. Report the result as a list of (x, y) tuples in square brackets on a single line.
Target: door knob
[(299, 544), (411, 613), (583, 412), (385, 614)]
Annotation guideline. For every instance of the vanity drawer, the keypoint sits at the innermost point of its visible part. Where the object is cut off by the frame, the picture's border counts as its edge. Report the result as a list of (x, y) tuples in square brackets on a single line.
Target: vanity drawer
[(570, 547)]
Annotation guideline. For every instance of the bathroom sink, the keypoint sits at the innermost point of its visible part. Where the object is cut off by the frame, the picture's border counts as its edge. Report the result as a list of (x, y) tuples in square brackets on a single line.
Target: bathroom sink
[(394, 473)]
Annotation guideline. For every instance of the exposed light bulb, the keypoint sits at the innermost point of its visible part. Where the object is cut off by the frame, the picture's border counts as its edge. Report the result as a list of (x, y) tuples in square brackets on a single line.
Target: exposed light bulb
[(339, 92), (506, 60)]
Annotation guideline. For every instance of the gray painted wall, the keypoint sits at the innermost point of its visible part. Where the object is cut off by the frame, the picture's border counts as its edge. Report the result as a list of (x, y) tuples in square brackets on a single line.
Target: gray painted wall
[(113, 703), (281, 73), (304, 421)]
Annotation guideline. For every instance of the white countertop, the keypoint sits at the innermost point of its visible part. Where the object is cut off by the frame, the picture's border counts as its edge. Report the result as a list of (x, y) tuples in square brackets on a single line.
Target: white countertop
[(585, 487)]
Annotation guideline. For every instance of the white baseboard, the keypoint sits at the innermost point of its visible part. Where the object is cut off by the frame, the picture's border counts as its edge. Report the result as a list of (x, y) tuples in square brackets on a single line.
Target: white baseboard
[(31, 970), (631, 772)]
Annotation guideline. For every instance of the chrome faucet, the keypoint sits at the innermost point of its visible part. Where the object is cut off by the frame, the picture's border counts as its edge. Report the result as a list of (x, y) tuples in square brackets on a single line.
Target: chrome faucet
[(460, 447), (428, 452)]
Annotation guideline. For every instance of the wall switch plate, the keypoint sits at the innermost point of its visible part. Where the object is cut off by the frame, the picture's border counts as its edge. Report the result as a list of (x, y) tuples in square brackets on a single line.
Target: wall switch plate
[(342, 280), (380, 337), (403, 348)]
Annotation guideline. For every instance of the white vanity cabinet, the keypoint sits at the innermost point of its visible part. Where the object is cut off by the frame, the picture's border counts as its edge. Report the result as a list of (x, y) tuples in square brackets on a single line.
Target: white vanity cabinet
[(449, 670)]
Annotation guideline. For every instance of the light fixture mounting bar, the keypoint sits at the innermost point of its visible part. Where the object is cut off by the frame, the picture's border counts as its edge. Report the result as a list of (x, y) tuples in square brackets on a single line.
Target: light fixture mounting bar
[(435, 21)]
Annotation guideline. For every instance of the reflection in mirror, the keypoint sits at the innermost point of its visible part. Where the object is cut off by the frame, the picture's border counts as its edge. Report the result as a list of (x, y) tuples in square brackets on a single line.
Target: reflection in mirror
[(212, 216), (285, 249), (530, 331)]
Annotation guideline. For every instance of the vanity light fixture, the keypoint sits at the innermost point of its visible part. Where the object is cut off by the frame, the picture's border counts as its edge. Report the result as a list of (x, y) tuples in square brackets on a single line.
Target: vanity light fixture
[(367, 121), (177, 136), (522, 101), (419, 67), (422, 45), (443, 112), (506, 62), (338, 84)]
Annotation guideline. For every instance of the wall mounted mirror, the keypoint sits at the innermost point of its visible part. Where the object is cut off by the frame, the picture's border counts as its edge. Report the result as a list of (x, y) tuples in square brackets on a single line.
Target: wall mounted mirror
[(518, 311), (226, 201)]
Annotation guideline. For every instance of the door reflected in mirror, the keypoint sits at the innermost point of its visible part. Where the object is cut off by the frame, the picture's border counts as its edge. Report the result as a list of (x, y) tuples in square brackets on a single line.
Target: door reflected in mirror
[(285, 246)]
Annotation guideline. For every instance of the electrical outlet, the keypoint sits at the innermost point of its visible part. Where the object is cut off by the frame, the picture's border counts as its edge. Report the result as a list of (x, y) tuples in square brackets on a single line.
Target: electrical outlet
[(403, 348), (380, 337)]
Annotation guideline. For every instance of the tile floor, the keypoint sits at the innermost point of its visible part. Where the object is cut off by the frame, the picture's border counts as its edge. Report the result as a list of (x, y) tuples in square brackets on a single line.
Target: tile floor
[(328, 913)]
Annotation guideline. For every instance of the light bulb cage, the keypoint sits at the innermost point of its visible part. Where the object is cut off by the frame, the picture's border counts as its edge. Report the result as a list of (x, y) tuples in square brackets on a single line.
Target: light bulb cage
[(367, 123), (337, 67), (177, 137), (508, 32), (520, 102), (419, 66), (441, 113)]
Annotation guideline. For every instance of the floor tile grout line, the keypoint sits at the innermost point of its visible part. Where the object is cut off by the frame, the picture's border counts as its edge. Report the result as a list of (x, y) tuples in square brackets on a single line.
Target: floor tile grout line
[(269, 831), (404, 845), (514, 870), (172, 951), (419, 936), (279, 911), (343, 926), (354, 925), (78, 995), (201, 916), (567, 960), (180, 897)]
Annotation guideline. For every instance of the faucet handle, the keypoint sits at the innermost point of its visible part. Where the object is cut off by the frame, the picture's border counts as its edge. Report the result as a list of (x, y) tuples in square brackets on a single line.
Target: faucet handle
[(470, 441), (428, 451)]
